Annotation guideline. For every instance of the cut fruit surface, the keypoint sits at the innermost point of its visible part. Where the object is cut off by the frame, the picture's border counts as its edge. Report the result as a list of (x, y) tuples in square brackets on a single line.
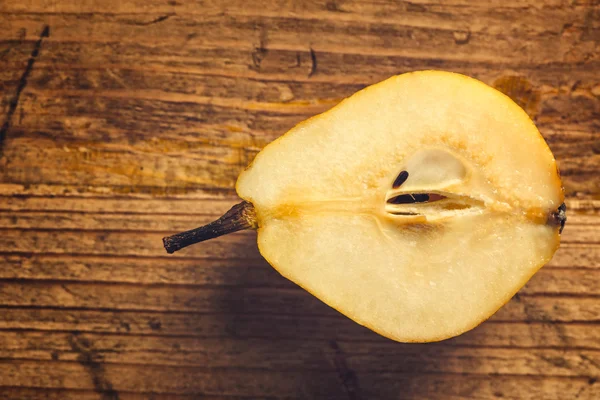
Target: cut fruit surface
[(416, 207)]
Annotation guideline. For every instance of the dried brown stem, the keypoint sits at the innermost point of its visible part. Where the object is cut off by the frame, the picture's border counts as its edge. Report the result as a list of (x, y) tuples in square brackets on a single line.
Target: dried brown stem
[(239, 217)]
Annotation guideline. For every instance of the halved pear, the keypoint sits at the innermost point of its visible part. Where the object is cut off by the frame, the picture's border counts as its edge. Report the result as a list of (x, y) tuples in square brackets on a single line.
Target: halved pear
[(417, 207)]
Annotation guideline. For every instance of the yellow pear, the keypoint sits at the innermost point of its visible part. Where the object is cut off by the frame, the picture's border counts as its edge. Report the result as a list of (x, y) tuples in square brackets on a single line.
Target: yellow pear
[(417, 207)]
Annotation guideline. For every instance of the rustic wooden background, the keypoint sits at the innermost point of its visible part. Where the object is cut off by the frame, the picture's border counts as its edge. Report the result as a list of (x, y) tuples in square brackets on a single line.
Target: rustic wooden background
[(124, 121)]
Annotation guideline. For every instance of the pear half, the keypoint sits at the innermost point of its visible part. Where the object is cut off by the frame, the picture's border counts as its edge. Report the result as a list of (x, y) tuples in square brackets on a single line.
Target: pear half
[(417, 207)]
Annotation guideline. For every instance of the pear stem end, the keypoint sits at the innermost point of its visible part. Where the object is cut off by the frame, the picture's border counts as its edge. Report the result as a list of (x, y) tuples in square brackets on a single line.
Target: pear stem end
[(239, 217), (560, 217)]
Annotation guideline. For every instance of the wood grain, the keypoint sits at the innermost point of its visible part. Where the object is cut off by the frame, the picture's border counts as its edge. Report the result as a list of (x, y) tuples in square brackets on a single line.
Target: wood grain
[(123, 121)]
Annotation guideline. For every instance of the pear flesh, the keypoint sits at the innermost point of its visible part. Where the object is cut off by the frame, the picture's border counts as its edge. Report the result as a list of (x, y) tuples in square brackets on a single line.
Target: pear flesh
[(417, 207)]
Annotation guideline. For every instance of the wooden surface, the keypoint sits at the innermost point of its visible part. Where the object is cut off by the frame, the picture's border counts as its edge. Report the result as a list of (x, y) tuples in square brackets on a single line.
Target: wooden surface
[(124, 121)]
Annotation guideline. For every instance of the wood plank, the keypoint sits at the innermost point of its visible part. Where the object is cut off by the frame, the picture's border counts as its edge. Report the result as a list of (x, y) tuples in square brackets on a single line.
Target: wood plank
[(470, 387), (163, 163), (563, 281), (285, 355), (349, 10), (492, 333), (176, 116), (434, 34), (213, 206), (22, 393), (149, 379), (88, 166), (159, 298), (577, 255), (165, 271), (285, 384), (239, 92), (18, 393), (285, 66), (117, 192), (106, 222)]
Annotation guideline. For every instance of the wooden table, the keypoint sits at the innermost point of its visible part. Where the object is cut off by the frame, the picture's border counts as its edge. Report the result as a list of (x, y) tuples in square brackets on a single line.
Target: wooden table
[(128, 120)]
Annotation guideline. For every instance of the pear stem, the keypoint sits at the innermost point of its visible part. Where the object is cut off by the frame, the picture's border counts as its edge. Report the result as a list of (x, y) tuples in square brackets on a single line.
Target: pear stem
[(239, 217)]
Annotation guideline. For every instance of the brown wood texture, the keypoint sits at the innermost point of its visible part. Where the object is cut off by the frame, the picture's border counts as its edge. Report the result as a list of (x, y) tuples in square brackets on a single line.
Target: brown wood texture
[(123, 121)]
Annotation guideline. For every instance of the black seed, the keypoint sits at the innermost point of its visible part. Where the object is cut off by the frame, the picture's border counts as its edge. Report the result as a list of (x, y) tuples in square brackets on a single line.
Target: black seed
[(409, 198), (421, 198), (402, 177)]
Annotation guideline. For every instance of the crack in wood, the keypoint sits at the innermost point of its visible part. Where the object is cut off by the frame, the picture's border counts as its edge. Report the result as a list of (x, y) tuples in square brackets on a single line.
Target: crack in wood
[(92, 362), (156, 20), (70, 292), (12, 107), (334, 7), (260, 52), (313, 66), (346, 375)]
